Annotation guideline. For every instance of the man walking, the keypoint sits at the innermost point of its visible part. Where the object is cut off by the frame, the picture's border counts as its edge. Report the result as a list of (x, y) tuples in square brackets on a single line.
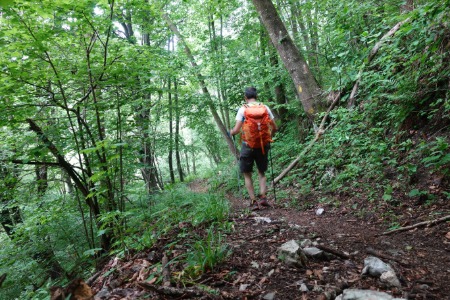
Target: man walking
[(257, 123)]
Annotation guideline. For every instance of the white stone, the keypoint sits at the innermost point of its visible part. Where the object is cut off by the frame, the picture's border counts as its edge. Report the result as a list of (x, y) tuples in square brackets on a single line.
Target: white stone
[(374, 266), (352, 294), (390, 278), (269, 296)]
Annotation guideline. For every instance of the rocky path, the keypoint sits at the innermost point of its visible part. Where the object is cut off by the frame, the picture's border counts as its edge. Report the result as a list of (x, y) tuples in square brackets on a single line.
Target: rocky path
[(256, 269), (420, 258)]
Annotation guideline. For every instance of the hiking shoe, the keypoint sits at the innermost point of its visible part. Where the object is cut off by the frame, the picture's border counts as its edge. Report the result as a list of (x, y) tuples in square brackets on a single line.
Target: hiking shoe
[(263, 202), (254, 204)]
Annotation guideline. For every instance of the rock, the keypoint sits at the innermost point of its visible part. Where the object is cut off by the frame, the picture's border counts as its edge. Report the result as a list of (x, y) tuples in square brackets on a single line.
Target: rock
[(390, 279), (351, 294), (255, 264), (304, 288), (262, 220), (291, 253), (306, 243), (104, 293), (269, 296), (374, 266), (243, 287), (319, 211), (313, 252)]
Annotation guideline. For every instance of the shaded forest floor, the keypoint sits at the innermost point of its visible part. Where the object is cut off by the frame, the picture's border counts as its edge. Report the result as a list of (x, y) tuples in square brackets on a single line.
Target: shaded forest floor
[(420, 257)]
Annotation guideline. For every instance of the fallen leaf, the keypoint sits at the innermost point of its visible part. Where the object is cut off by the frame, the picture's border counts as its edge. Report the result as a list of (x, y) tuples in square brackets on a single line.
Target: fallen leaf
[(309, 272), (153, 280), (448, 235), (318, 274)]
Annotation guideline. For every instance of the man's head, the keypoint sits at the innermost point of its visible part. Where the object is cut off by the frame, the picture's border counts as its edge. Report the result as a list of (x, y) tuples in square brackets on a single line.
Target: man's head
[(251, 93)]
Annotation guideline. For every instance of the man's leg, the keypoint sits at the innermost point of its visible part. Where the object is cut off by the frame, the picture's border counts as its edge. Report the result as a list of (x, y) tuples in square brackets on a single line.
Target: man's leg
[(262, 183), (249, 186)]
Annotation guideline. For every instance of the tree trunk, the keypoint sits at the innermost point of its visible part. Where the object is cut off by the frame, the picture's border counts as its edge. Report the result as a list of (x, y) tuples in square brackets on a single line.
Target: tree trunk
[(186, 157), (407, 6), (84, 187), (194, 168), (280, 96), (306, 85), (177, 134), (170, 158), (205, 90), (41, 179)]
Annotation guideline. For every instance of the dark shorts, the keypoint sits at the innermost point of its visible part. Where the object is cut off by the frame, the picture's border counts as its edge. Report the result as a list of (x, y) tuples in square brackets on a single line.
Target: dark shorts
[(249, 155)]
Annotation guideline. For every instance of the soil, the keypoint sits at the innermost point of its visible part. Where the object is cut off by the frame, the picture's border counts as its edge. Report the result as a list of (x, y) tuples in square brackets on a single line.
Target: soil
[(420, 256)]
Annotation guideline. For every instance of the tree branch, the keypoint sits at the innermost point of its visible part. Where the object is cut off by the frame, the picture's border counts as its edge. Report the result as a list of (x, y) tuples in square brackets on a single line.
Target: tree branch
[(37, 163), (319, 133), (426, 223), (372, 53), (60, 158)]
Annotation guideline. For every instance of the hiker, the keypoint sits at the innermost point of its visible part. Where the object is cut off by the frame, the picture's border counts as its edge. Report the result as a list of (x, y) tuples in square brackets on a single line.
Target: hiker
[(255, 143)]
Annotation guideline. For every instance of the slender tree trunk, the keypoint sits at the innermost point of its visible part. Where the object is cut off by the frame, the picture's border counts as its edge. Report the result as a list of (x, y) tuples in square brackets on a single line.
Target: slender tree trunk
[(170, 158), (205, 90), (312, 25), (278, 88), (306, 85), (194, 167), (82, 186), (149, 172), (407, 6), (186, 157), (177, 134), (41, 179), (9, 213)]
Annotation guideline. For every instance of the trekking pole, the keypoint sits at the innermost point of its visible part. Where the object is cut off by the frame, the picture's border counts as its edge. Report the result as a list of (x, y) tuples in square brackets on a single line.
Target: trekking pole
[(237, 162), (273, 178)]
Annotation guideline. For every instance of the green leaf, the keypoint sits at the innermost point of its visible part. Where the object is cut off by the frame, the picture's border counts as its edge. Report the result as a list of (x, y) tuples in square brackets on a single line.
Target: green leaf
[(414, 193), (6, 3), (387, 197), (101, 232), (92, 252)]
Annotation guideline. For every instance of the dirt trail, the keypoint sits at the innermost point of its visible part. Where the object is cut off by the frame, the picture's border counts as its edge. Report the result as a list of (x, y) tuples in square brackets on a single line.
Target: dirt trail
[(421, 257)]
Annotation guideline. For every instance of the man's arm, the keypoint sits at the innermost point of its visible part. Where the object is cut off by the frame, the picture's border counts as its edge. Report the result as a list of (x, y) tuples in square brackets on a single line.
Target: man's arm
[(274, 127), (236, 128)]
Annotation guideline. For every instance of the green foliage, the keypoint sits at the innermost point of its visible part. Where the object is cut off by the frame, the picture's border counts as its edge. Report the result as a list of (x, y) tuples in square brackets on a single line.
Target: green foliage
[(205, 254), (174, 206), (436, 155)]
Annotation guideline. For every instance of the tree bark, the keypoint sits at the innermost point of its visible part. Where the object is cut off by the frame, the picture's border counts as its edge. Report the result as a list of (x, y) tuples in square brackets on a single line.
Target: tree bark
[(306, 85), (177, 134), (83, 187), (200, 79), (170, 158), (408, 6)]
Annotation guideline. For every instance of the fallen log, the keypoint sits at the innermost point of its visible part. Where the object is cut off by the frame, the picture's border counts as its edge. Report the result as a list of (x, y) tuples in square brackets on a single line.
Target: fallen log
[(172, 291), (319, 132), (373, 52), (425, 223)]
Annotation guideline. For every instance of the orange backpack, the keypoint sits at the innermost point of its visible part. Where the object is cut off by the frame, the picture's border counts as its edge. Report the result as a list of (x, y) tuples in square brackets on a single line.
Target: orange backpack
[(257, 127)]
